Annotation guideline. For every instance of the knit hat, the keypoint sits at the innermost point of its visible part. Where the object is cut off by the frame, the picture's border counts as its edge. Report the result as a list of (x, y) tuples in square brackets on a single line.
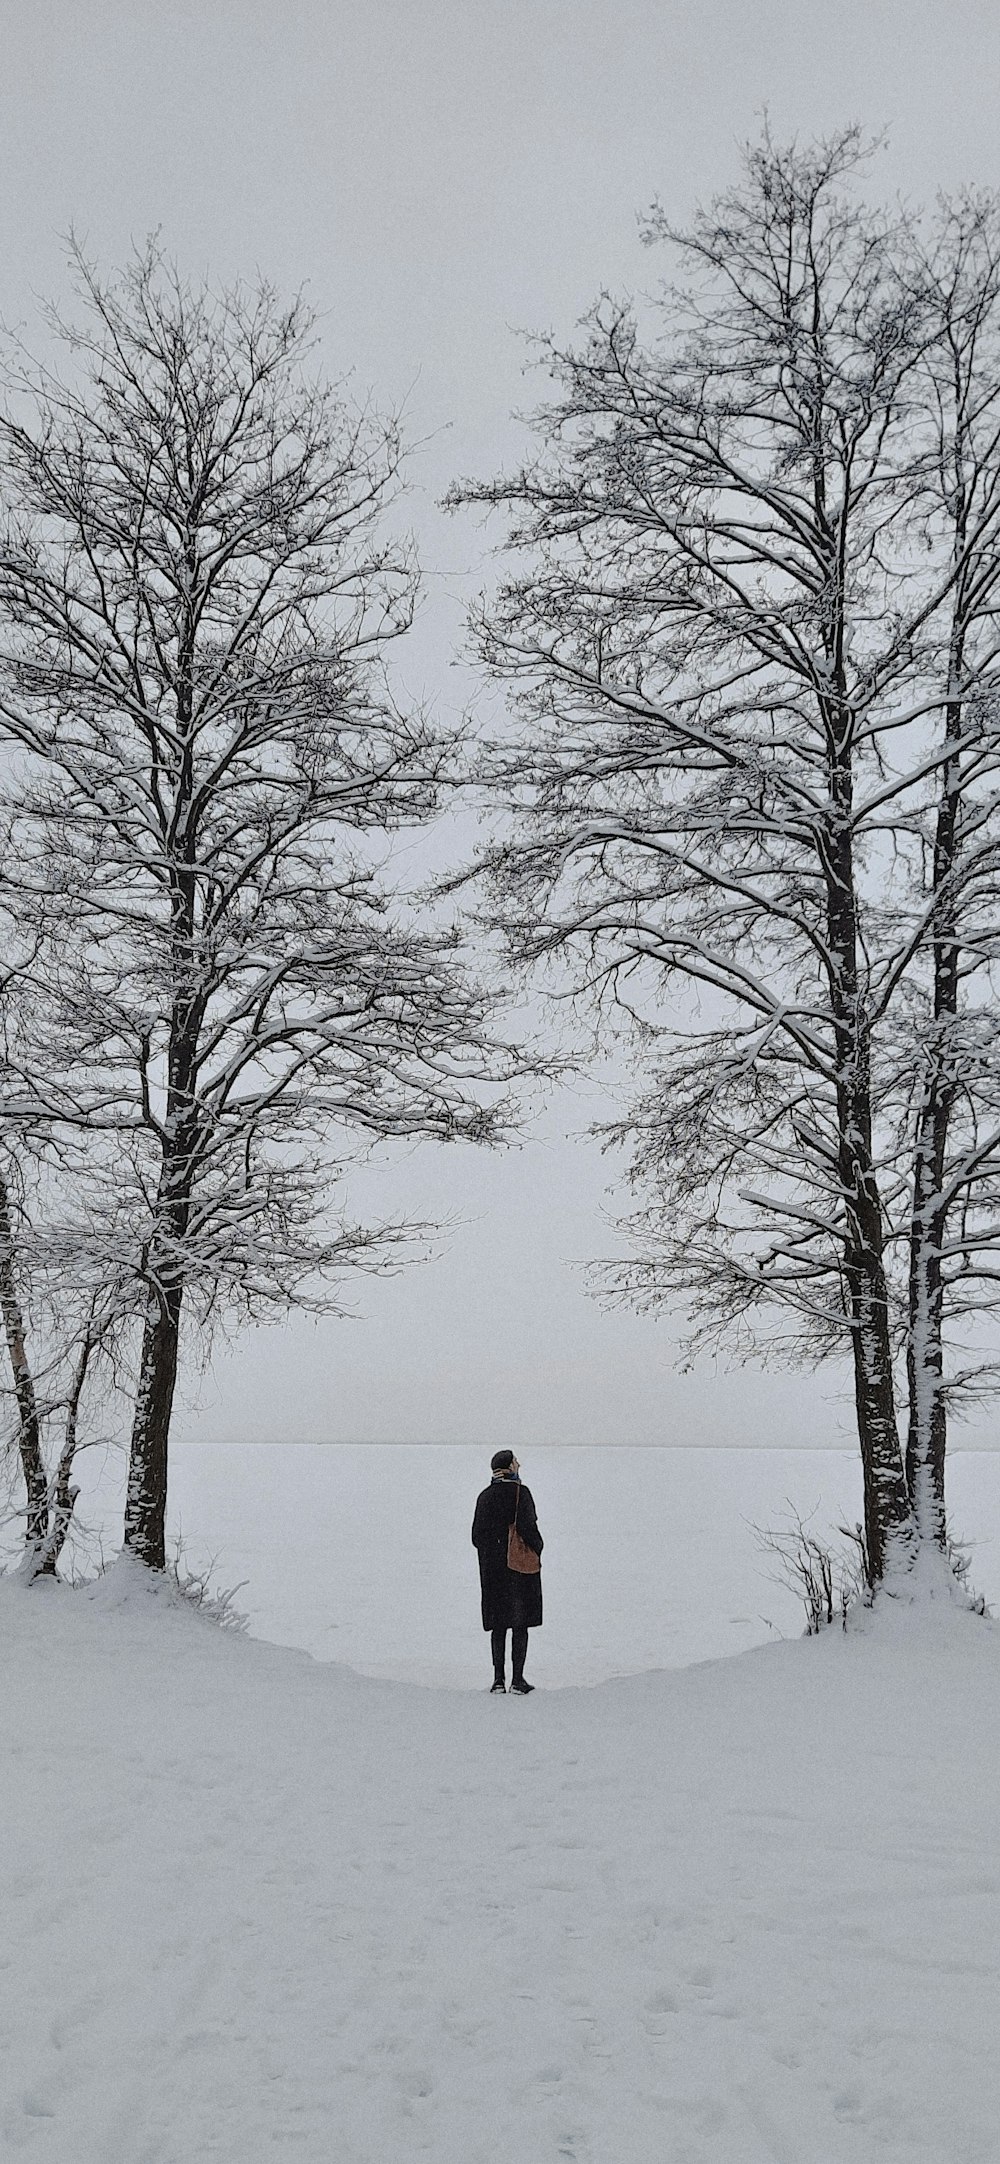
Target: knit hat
[(501, 1461)]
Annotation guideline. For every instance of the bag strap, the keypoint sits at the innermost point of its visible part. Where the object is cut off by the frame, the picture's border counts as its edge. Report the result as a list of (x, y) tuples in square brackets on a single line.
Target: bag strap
[(517, 1498)]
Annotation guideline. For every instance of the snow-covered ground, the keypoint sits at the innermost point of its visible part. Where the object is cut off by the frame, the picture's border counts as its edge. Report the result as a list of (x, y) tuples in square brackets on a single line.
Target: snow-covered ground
[(361, 1553), (257, 1906)]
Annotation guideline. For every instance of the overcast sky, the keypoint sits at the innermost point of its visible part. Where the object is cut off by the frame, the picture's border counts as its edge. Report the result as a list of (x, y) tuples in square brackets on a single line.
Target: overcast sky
[(442, 174)]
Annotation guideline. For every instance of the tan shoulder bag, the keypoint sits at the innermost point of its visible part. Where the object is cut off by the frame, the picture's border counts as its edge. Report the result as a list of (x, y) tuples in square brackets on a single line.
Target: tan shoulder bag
[(519, 1556)]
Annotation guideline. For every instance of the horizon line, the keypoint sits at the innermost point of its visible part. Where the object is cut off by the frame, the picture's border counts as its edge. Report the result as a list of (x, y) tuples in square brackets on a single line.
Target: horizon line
[(395, 1442)]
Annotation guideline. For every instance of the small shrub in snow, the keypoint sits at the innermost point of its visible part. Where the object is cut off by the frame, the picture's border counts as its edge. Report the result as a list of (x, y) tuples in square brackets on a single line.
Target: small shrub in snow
[(194, 1584), (960, 1559), (832, 1581), (118, 1582), (828, 1581)]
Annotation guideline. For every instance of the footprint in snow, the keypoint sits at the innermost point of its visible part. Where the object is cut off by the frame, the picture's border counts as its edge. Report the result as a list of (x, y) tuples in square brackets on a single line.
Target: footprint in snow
[(37, 2107), (848, 2106), (657, 2012)]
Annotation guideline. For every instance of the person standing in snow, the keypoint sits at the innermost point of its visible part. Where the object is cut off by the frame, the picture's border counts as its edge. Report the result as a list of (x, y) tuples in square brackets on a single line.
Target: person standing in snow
[(512, 1600)]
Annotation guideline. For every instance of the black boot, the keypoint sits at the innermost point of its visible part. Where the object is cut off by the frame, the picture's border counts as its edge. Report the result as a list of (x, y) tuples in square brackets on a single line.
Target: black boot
[(519, 1650)]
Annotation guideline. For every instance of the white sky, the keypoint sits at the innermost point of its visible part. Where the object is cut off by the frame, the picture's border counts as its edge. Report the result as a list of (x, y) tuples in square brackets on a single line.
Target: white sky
[(441, 173)]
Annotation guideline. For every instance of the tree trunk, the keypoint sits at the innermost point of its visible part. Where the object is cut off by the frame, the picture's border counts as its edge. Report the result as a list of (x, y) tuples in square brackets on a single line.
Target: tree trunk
[(927, 1429), (887, 1512), (29, 1427), (146, 1499), (146, 1495), (63, 1495)]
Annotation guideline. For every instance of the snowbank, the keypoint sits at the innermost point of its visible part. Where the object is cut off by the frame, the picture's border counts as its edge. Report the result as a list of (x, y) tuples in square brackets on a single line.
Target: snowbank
[(256, 1906)]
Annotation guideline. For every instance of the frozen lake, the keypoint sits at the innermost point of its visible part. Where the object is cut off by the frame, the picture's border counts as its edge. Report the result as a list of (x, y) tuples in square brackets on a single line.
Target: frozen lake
[(361, 1553)]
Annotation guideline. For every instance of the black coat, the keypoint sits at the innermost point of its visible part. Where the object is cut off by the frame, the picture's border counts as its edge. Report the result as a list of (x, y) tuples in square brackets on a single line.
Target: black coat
[(512, 1599)]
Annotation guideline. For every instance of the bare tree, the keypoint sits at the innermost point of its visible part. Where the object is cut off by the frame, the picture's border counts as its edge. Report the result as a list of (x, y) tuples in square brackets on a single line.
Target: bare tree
[(197, 592), (55, 1339), (29, 1424), (755, 773), (60, 1337), (952, 1197)]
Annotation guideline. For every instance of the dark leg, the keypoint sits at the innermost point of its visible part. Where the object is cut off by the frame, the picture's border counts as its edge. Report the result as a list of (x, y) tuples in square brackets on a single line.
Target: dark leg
[(498, 1641), (519, 1651)]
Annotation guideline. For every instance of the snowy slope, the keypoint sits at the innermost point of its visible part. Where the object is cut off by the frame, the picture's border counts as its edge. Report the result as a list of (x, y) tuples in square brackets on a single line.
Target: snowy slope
[(259, 1907), (362, 1553)]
